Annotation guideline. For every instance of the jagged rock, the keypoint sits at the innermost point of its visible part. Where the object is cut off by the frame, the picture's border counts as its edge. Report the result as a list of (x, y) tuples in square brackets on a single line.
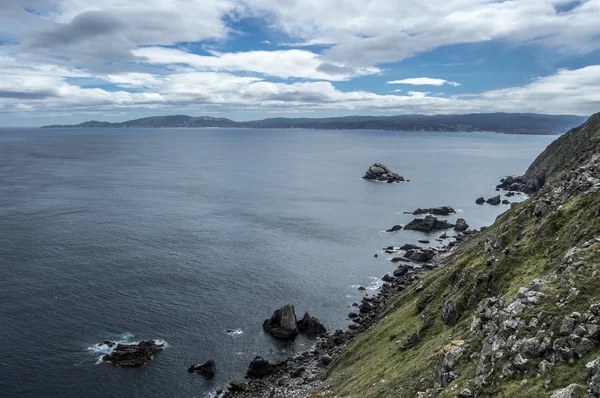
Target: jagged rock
[(495, 201), (447, 361), (461, 225), (259, 368), (427, 224), (466, 393), (379, 172), (505, 202), (282, 324), (572, 391), (450, 313), (207, 369), (311, 326), (436, 211), (480, 200), (568, 326), (394, 228), (133, 355), (593, 368), (520, 362)]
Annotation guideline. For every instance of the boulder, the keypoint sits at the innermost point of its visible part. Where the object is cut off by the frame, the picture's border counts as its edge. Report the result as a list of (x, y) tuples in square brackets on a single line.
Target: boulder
[(495, 201), (379, 172), (207, 369), (259, 368), (311, 326), (135, 354), (427, 224), (282, 324), (423, 255), (480, 200), (461, 225), (571, 391)]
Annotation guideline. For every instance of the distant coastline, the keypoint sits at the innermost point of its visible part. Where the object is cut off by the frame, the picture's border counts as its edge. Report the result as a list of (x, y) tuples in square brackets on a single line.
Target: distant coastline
[(508, 123)]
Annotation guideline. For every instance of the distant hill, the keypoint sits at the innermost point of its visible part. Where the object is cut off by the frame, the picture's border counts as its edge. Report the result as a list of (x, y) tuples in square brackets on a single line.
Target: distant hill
[(510, 123)]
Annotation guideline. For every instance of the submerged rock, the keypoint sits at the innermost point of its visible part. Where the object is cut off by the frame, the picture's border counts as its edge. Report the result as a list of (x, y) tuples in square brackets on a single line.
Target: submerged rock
[(282, 324), (379, 172), (207, 369), (133, 355)]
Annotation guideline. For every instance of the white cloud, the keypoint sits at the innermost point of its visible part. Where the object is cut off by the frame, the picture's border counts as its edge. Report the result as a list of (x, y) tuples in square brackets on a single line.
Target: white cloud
[(424, 81), (282, 63), (567, 91)]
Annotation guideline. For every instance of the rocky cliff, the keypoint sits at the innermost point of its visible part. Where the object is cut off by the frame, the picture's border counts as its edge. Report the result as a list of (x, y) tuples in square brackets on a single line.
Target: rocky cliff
[(512, 311)]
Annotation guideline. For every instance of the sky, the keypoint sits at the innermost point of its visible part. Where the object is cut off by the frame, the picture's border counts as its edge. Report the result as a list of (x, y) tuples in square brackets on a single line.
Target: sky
[(68, 61)]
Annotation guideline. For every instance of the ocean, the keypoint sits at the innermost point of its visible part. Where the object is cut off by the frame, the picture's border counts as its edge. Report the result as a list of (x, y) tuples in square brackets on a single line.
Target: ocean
[(195, 236)]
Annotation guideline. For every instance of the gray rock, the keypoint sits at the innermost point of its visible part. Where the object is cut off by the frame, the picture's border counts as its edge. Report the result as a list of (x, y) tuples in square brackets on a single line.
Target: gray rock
[(282, 324), (495, 201), (259, 368), (461, 225), (480, 200), (311, 326), (207, 369), (380, 172), (568, 326), (572, 391)]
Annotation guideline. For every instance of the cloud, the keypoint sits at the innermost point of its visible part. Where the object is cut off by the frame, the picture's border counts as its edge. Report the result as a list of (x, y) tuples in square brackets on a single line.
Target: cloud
[(567, 91), (381, 31), (424, 81), (283, 63)]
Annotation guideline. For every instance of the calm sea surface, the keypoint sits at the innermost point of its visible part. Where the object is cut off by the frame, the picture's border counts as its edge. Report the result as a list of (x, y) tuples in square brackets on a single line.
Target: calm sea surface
[(181, 235)]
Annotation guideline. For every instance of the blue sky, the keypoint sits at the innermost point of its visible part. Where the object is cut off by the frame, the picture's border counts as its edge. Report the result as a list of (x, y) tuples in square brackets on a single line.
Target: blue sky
[(66, 61)]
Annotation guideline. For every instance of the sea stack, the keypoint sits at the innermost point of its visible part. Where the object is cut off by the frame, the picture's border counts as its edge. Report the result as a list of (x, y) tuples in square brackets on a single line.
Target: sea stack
[(378, 172)]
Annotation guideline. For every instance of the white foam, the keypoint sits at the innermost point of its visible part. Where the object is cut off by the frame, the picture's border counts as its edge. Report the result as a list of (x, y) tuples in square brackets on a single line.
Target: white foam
[(235, 332)]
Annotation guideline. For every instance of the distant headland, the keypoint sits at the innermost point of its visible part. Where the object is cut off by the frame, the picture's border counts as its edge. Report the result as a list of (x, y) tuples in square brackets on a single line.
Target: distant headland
[(509, 123)]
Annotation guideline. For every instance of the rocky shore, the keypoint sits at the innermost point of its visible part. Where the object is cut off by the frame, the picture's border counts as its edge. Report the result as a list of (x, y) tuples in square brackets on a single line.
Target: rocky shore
[(304, 375)]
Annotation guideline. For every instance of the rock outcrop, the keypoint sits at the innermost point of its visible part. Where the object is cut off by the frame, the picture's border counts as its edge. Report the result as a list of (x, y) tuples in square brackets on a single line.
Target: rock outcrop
[(282, 324), (133, 355), (461, 225), (207, 369), (495, 201), (428, 224), (311, 326), (259, 368), (379, 172), (436, 211)]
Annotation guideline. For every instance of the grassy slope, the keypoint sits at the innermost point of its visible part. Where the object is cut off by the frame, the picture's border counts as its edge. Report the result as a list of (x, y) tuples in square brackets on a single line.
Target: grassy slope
[(375, 366)]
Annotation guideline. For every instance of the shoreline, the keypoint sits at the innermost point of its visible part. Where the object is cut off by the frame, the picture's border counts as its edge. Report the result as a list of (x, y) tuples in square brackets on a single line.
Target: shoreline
[(305, 374)]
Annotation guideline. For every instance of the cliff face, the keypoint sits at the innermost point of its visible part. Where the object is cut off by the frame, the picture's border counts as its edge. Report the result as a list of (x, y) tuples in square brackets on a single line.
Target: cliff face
[(513, 311), (566, 153)]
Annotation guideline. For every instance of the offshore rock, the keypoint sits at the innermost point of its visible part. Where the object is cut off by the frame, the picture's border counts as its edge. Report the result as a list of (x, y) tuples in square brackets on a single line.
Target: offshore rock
[(207, 369), (282, 324), (379, 172), (461, 225), (133, 355), (436, 211), (428, 224)]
